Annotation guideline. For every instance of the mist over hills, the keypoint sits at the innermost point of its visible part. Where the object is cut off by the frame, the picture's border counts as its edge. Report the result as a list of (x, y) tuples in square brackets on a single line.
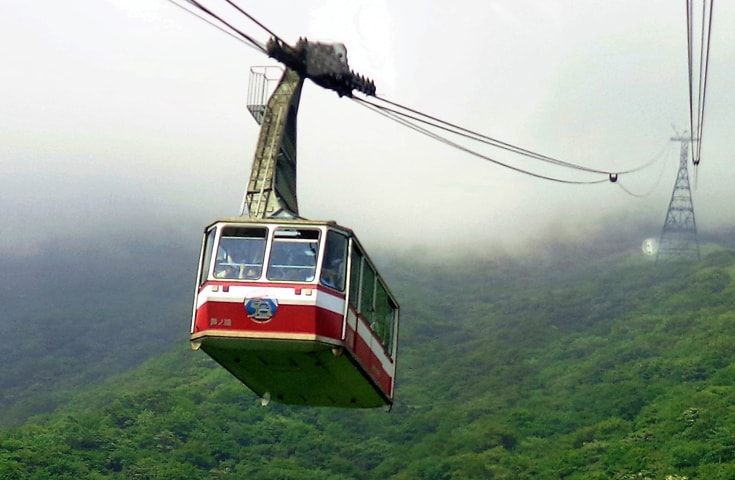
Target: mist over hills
[(77, 312), (576, 363)]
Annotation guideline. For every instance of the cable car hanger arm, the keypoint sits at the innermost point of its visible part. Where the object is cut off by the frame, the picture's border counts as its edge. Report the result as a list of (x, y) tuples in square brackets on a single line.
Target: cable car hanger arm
[(271, 191), (324, 63)]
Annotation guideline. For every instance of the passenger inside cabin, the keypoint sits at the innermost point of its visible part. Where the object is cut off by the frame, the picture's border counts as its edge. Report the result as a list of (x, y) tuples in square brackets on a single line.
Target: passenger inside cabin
[(250, 273), (239, 258), (332, 274), (252, 265), (224, 267), (293, 261)]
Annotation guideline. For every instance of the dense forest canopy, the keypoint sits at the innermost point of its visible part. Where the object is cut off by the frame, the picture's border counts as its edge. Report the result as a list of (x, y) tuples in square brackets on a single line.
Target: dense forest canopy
[(581, 365)]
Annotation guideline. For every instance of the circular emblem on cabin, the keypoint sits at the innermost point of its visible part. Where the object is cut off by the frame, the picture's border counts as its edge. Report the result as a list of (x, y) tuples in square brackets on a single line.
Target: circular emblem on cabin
[(260, 309)]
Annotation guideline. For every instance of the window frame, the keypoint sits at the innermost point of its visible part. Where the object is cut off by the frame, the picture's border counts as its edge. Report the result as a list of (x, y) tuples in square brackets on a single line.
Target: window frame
[(241, 233), (287, 268), (328, 261)]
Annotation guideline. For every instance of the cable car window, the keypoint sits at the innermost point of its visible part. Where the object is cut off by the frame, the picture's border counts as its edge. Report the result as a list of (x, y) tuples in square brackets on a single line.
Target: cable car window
[(240, 253), (293, 255), (385, 316), (367, 288), (207, 249), (355, 274), (335, 255)]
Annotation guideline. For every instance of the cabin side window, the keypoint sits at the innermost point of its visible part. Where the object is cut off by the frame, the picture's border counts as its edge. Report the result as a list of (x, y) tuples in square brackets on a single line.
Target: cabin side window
[(367, 291), (334, 264), (293, 254), (369, 296), (385, 316), (355, 274), (207, 249), (240, 253)]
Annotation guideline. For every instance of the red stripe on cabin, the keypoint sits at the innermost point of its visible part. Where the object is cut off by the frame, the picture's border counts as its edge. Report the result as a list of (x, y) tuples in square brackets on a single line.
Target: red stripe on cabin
[(290, 319), (369, 360)]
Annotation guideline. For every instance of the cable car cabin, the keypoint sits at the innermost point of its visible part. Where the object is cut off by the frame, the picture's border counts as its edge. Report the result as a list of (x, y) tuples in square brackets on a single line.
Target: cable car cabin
[(296, 310)]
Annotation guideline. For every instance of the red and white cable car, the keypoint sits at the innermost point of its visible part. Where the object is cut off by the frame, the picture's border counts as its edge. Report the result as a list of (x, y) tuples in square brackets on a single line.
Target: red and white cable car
[(296, 310)]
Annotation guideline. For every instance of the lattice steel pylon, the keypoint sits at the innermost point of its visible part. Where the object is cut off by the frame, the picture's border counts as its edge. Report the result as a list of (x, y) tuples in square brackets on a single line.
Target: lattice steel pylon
[(679, 234)]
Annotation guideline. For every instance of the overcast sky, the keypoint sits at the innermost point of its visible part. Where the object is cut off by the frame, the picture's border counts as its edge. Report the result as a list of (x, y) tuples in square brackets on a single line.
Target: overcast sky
[(123, 115)]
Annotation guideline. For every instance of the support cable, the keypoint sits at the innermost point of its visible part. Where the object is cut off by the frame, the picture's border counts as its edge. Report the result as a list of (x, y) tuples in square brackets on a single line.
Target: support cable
[(698, 102), (255, 21), (703, 67), (244, 36), (408, 119), (690, 71), (653, 188), (464, 132), (397, 118), (219, 27)]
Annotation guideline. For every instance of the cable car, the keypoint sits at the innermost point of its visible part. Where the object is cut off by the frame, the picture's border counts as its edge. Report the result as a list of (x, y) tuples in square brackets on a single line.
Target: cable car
[(296, 310)]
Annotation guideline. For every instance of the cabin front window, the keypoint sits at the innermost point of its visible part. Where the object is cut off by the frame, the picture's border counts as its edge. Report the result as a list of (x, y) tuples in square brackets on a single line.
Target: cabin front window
[(207, 249), (240, 253), (293, 255)]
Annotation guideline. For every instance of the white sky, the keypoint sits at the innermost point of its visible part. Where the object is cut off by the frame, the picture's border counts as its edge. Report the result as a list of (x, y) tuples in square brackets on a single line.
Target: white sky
[(119, 115)]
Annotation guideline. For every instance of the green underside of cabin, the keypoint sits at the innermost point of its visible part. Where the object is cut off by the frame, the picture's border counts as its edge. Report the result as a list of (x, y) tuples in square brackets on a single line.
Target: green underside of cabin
[(297, 372)]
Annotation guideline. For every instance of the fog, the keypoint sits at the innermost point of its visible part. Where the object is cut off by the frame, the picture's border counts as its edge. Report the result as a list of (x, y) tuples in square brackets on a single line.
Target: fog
[(124, 118)]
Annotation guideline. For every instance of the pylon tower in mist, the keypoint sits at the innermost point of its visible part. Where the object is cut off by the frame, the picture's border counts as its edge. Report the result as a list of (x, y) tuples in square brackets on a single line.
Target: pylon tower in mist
[(679, 235)]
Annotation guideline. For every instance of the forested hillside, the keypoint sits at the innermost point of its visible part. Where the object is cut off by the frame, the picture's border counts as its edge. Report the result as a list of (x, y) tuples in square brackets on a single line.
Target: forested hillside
[(575, 366), (74, 313)]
